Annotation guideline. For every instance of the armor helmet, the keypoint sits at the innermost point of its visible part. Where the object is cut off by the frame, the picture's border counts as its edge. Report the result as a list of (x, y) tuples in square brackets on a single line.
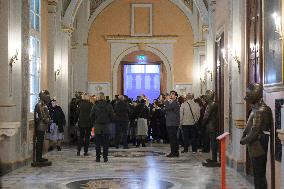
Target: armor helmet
[(254, 93), (44, 96), (209, 96)]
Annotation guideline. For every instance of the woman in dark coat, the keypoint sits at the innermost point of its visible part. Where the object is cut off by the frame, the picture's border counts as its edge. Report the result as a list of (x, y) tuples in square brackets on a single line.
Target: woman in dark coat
[(56, 128), (141, 113)]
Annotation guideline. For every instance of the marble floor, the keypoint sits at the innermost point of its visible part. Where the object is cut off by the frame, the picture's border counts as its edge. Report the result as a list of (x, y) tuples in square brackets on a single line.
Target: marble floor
[(134, 168)]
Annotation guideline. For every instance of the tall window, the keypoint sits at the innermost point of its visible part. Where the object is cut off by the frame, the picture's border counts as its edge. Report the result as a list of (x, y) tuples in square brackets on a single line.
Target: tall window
[(34, 52)]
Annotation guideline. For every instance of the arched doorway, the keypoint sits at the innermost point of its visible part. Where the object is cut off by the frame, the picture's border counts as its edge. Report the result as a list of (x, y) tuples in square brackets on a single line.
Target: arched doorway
[(142, 72)]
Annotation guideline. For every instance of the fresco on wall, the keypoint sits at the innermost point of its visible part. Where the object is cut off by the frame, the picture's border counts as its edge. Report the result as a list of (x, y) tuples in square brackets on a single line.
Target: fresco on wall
[(272, 42)]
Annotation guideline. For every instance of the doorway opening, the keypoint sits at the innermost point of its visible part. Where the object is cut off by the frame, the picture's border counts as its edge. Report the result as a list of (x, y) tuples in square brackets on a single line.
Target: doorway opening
[(142, 79)]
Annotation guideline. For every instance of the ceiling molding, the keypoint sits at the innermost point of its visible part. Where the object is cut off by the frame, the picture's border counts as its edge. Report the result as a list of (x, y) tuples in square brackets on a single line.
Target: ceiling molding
[(202, 9)]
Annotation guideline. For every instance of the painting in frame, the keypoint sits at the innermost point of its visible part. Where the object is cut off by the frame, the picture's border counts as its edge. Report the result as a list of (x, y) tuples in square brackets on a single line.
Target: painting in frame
[(183, 88), (95, 88)]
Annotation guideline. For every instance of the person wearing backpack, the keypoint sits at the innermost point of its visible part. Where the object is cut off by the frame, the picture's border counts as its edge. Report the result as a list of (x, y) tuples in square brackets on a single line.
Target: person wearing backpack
[(189, 116), (101, 118)]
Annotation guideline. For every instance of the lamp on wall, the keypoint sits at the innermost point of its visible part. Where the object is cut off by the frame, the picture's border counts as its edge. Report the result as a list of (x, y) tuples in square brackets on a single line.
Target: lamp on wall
[(233, 54), (57, 73), (278, 25), (13, 59)]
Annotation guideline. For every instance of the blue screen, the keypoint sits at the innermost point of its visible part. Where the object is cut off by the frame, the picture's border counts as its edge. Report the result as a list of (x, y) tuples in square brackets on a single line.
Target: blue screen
[(142, 79)]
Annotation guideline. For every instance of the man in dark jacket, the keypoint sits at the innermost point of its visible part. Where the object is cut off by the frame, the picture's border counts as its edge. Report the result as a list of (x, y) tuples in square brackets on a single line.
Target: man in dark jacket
[(101, 117), (172, 109), (121, 110), (211, 123), (84, 123)]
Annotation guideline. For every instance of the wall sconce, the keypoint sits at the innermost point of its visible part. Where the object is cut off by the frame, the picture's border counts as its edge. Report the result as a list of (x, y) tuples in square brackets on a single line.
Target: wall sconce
[(208, 71), (233, 55), (278, 26), (13, 59), (57, 73), (236, 58)]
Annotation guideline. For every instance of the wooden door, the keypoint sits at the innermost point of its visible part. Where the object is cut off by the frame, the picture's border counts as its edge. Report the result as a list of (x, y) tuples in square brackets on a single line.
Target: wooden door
[(219, 80), (254, 52)]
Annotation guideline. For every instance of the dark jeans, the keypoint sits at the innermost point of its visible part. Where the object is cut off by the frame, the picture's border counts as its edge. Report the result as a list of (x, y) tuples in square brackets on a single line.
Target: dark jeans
[(121, 129), (85, 134), (102, 140), (259, 171), (39, 144), (172, 134), (190, 132), (213, 145)]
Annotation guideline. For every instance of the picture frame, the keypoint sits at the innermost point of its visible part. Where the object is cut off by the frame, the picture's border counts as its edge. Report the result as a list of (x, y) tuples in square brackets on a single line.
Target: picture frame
[(94, 88), (183, 88)]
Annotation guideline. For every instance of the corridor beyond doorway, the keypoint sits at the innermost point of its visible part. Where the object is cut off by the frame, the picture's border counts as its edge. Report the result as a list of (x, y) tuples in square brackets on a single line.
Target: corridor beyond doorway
[(142, 79)]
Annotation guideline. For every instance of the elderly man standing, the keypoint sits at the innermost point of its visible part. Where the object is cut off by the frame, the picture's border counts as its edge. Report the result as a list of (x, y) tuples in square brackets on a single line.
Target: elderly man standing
[(121, 110), (172, 109), (189, 115), (101, 117)]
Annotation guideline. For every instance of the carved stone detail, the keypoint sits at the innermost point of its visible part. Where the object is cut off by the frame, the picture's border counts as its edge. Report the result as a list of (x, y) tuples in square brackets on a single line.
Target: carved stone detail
[(240, 123), (189, 4), (52, 4), (95, 4), (8, 129)]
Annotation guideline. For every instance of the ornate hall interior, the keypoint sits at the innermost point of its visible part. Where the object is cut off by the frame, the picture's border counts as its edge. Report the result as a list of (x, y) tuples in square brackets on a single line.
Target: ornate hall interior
[(135, 47)]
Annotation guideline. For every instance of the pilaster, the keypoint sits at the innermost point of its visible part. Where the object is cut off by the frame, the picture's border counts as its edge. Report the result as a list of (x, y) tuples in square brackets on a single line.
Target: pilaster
[(281, 137)]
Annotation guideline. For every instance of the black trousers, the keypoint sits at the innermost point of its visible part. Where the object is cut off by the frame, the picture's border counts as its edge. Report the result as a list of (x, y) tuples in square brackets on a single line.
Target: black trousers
[(172, 134), (39, 144), (190, 132), (102, 140), (213, 145), (85, 134), (121, 129), (259, 171)]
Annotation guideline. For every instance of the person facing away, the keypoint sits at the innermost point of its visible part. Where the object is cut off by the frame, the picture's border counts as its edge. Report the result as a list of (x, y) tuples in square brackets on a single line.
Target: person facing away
[(84, 123), (121, 111), (141, 113), (101, 118), (189, 116), (172, 109)]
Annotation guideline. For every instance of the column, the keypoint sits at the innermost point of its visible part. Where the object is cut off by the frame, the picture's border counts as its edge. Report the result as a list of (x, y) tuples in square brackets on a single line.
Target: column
[(52, 31)]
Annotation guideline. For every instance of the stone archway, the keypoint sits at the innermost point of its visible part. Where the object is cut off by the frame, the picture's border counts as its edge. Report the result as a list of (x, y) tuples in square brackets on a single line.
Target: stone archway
[(150, 59), (163, 48)]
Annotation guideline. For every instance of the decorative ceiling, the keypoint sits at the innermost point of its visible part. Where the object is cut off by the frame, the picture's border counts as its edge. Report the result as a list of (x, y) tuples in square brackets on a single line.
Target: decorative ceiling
[(96, 3)]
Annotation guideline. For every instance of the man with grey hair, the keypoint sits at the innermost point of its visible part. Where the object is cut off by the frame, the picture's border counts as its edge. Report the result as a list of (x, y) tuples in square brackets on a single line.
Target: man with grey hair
[(189, 115), (101, 117), (121, 110)]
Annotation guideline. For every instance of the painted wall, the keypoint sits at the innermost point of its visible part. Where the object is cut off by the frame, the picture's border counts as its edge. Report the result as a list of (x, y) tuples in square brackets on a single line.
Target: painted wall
[(116, 19)]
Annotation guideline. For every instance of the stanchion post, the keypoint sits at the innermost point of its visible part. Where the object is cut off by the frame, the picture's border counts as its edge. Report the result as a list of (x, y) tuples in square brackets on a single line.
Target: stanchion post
[(222, 139)]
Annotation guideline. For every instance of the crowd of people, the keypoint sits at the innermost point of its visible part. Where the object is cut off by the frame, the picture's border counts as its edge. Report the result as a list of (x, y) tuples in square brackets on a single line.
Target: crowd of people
[(178, 121)]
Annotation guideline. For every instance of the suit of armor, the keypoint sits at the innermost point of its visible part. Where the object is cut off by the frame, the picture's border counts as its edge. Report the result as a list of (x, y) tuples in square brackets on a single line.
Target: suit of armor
[(210, 122), (42, 120), (259, 121)]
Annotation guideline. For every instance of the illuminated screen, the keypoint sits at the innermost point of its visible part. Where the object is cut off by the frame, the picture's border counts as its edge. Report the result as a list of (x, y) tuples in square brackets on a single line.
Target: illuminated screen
[(142, 79)]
